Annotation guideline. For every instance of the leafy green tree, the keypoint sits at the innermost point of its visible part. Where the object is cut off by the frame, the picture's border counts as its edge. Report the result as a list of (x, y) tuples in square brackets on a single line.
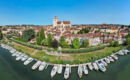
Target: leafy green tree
[(38, 40), (76, 43), (86, 30), (111, 43), (49, 39), (96, 31), (1, 35), (44, 42), (85, 43), (63, 43), (42, 35), (55, 43), (128, 40), (28, 34), (116, 44)]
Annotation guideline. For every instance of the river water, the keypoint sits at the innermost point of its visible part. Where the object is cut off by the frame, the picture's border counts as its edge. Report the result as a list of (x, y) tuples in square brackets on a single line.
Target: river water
[(10, 69)]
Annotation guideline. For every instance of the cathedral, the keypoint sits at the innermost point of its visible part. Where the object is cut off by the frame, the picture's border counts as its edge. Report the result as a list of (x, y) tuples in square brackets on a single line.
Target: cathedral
[(60, 24)]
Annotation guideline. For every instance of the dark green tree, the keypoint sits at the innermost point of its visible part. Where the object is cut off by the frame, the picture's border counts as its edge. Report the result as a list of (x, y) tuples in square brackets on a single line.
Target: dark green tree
[(116, 44), (42, 35), (49, 39), (55, 43), (128, 39), (85, 43), (28, 34), (1, 35), (86, 30), (76, 43), (38, 40)]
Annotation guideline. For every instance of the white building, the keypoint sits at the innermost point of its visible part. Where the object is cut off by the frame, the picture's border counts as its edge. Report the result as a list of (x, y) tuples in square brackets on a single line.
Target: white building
[(60, 24)]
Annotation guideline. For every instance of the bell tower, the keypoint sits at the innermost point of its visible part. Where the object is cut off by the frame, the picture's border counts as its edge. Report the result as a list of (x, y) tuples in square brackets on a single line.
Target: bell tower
[(55, 20)]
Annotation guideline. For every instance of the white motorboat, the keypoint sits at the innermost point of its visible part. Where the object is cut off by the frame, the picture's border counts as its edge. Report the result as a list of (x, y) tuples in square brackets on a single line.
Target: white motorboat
[(101, 66), (110, 58), (14, 54), (29, 60), (20, 57), (18, 54), (59, 71), (114, 57), (90, 66), (104, 63), (53, 71), (24, 58), (42, 66), (80, 71), (85, 70), (95, 66), (120, 53), (107, 60), (36, 65), (125, 51), (67, 71)]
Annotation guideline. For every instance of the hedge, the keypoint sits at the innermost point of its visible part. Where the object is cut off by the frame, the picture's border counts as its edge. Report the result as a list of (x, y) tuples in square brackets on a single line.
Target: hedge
[(28, 45), (83, 50)]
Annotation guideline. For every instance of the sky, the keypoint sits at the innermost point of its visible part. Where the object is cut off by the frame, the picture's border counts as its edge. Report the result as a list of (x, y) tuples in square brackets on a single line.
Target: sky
[(42, 12)]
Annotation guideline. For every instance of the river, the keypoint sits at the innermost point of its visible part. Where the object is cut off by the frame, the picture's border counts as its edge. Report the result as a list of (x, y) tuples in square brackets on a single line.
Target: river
[(10, 69)]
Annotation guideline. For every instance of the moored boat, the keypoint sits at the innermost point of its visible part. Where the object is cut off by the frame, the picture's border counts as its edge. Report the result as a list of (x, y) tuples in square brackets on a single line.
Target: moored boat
[(42, 66), (101, 66), (24, 58), (53, 71), (90, 66), (95, 66), (80, 70), (85, 70), (114, 57), (104, 63), (59, 71), (110, 58), (67, 71), (29, 60), (36, 65), (107, 60)]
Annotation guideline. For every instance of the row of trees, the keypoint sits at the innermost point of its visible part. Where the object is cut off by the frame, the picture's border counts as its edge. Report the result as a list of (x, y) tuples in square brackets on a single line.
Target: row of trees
[(85, 30), (50, 42), (42, 40), (114, 44), (1, 35)]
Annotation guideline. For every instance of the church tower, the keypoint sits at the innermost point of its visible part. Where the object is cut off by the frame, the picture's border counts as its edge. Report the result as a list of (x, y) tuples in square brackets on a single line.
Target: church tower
[(55, 20)]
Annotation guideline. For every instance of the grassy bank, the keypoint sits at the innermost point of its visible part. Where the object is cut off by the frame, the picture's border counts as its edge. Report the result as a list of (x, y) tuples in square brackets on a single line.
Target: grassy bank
[(70, 58)]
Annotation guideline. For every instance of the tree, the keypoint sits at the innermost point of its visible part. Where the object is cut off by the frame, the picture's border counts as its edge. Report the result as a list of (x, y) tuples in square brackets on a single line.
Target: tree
[(96, 31), (76, 43), (86, 30), (42, 35), (111, 43), (116, 44), (49, 39), (44, 42), (85, 43), (28, 34), (1, 35), (128, 39), (55, 43), (63, 43), (38, 40)]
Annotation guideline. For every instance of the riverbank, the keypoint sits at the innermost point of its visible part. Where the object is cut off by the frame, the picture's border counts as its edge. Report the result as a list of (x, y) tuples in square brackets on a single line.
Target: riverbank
[(69, 59), (10, 69)]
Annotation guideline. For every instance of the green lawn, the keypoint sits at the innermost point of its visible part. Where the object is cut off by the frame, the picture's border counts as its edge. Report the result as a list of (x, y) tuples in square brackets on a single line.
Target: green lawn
[(70, 59)]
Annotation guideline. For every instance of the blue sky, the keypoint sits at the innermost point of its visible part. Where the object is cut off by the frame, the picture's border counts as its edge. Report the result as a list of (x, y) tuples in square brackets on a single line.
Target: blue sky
[(41, 12)]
